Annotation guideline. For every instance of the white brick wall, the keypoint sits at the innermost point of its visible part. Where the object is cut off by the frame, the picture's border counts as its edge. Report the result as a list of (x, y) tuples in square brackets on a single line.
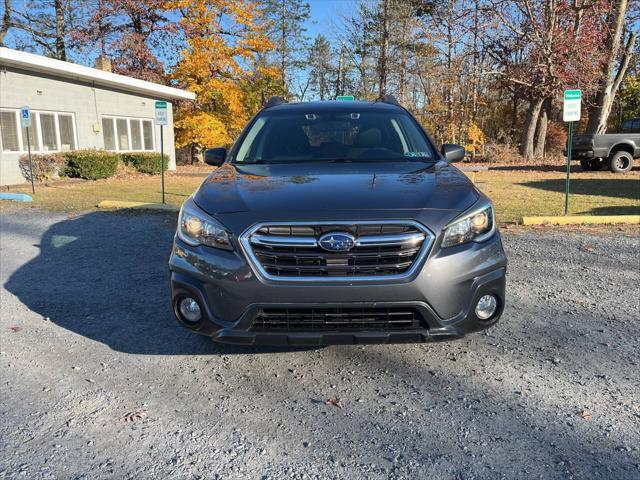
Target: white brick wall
[(20, 88)]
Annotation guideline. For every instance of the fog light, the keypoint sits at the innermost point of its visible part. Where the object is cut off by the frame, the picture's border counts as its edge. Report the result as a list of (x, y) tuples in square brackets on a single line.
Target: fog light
[(487, 306), (189, 309)]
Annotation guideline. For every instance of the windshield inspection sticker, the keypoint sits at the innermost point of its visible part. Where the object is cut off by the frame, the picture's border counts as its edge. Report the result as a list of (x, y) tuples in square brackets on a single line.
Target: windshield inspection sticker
[(417, 154)]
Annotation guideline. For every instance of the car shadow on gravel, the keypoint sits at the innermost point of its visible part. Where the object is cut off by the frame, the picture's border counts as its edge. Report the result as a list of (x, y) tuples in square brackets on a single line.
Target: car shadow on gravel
[(105, 276)]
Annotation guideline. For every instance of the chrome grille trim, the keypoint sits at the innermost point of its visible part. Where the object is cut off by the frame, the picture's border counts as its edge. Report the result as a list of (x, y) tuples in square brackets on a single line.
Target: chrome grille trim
[(393, 239), (276, 241), (405, 242)]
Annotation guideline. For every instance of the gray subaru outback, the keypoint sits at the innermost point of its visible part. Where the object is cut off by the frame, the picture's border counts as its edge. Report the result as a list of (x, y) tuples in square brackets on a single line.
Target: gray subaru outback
[(336, 222)]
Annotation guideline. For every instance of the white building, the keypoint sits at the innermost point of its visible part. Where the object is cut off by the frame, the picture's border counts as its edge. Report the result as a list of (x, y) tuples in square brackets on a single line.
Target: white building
[(75, 107)]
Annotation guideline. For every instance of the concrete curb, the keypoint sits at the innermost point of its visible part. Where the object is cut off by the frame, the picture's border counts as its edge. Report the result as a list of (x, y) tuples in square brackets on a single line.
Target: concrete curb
[(582, 219), (118, 204)]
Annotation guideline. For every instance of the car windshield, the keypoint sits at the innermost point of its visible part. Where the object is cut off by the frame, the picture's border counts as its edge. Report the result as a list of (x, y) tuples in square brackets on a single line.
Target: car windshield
[(279, 137)]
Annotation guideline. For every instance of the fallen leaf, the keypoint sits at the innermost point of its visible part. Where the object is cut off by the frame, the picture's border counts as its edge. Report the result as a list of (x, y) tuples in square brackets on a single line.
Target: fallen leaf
[(132, 417), (15, 329), (588, 249), (585, 413), (336, 402)]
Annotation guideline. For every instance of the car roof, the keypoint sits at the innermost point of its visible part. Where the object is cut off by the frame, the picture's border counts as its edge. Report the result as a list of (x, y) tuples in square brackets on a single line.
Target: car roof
[(333, 106)]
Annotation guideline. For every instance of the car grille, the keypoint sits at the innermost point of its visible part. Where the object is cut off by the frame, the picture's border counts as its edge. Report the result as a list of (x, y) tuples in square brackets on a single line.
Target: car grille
[(293, 251), (349, 318)]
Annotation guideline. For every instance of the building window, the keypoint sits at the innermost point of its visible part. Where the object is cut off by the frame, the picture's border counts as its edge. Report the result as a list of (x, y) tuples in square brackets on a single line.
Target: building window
[(127, 134), (9, 131), (123, 134), (136, 135), (33, 134), (147, 131), (67, 139), (109, 134), (49, 132), (48, 127)]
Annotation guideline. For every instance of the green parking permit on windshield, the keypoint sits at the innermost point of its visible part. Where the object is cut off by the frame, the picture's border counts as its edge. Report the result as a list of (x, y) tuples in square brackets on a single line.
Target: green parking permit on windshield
[(346, 98)]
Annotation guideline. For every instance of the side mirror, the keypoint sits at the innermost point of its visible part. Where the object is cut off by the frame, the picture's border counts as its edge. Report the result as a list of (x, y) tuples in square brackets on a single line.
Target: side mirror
[(452, 152), (215, 156)]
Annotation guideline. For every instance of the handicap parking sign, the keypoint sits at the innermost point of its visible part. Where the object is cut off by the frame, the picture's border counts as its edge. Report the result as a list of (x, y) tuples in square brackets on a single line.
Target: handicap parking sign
[(25, 117)]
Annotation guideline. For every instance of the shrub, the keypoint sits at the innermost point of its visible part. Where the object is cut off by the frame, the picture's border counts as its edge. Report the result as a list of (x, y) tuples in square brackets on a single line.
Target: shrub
[(145, 162), (91, 164), (556, 138), (501, 153), (45, 166)]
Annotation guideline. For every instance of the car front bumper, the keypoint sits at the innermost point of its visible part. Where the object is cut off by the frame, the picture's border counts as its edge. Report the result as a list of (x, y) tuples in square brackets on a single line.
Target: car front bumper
[(445, 291)]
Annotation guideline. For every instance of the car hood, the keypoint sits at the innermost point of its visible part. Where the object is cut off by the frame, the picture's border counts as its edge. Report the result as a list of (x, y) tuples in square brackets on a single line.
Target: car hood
[(335, 186)]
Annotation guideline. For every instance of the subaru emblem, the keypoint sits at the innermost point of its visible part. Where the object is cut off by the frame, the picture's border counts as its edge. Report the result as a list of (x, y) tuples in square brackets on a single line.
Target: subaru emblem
[(337, 242)]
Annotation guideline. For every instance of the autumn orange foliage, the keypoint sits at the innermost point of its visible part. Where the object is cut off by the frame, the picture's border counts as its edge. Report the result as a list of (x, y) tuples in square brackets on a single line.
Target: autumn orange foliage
[(476, 138), (226, 43)]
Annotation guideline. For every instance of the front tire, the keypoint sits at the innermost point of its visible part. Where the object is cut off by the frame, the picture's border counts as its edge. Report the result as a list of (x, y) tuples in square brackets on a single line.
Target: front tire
[(621, 162), (591, 165)]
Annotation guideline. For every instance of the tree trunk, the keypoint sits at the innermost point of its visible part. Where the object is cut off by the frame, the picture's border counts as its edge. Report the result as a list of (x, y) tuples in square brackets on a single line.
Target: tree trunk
[(61, 50), (610, 80), (541, 130), (384, 48), (283, 47), (514, 118), (339, 77), (403, 63), (6, 21), (529, 129), (474, 78), (448, 89)]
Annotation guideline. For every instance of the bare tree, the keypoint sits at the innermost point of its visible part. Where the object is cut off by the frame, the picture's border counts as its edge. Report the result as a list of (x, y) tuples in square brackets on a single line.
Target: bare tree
[(611, 78), (61, 48), (286, 19), (384, 48), (321, 68), (6, 21), (43, 27)]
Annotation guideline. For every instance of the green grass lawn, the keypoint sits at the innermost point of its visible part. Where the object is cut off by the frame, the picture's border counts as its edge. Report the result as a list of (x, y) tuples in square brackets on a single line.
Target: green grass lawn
[(85, 195), (521, 193), (516, 193)]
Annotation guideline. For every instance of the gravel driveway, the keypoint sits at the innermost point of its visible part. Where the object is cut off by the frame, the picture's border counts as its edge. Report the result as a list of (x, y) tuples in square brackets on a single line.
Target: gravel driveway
[(553, 391)]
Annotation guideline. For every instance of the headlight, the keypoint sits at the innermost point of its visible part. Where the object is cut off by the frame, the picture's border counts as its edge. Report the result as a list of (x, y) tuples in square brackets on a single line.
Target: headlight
[(197, 228), (475, 226)]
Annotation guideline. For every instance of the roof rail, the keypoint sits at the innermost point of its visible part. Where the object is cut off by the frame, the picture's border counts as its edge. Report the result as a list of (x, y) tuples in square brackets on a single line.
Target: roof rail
[(275, 101), (390, 99)]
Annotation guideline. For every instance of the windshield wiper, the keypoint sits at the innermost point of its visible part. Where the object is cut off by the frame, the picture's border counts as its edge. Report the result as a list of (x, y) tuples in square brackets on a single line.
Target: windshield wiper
[(253, 162)]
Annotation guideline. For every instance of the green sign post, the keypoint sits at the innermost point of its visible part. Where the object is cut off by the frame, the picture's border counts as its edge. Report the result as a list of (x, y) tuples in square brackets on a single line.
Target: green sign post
[(571, 109), (346, 98), (161, 119), (25, 121)]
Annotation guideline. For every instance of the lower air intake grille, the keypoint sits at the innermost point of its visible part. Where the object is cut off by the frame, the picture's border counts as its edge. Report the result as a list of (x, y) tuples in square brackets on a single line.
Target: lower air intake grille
[(339, 319)]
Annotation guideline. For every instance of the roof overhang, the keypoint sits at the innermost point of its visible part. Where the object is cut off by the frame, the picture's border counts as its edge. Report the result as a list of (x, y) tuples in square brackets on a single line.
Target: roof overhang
[(58, 68)]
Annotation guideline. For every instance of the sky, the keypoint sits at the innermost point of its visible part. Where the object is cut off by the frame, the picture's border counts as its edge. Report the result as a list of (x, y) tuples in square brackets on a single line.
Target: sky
[(323, 13), (324, 19)]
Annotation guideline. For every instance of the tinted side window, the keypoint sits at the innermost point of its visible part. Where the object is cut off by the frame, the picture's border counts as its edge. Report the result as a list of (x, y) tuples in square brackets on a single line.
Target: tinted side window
[(631, 126)]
